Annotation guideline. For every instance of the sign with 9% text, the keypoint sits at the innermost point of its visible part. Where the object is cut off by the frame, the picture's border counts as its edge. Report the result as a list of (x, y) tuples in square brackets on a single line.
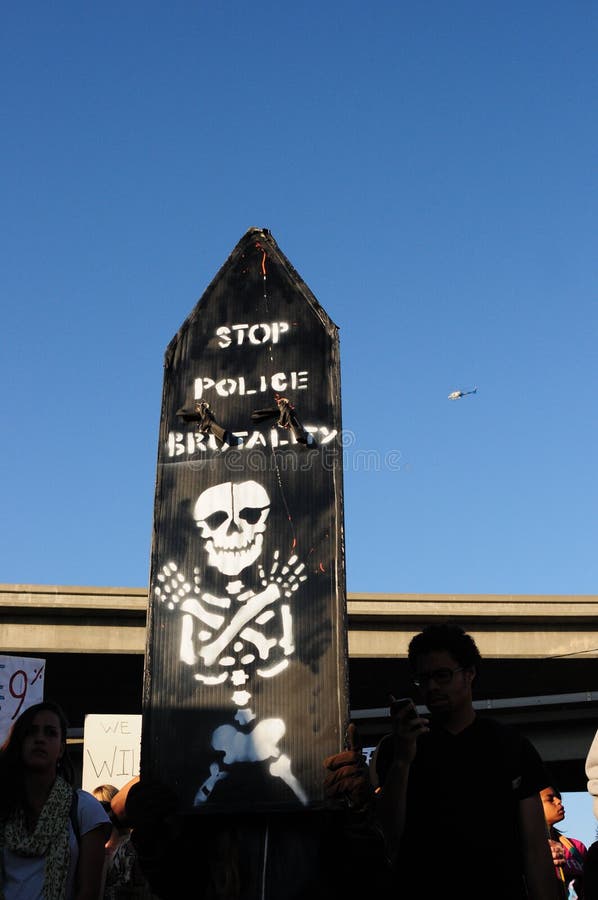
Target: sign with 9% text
[(21, 685)]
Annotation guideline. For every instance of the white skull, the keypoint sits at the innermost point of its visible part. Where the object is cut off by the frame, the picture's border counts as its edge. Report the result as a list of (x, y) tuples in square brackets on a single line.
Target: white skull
[(232, 518)]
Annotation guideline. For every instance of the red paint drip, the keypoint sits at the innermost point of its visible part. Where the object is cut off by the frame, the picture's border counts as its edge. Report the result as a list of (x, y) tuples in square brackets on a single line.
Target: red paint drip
[(258, 246)]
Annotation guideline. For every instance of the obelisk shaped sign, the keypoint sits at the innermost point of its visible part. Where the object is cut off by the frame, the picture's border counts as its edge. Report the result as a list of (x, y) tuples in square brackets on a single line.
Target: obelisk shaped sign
[(245, 685)]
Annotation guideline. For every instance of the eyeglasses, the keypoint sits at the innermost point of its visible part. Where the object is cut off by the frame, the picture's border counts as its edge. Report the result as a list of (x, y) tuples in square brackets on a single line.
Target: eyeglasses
[(440, 676)]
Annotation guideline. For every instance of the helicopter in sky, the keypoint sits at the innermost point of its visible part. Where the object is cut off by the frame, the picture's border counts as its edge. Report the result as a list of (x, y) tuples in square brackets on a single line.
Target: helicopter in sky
[(456, 395)]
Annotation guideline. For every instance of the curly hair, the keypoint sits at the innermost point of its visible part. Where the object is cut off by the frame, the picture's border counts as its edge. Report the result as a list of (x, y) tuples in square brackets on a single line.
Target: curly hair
[(445, 636)]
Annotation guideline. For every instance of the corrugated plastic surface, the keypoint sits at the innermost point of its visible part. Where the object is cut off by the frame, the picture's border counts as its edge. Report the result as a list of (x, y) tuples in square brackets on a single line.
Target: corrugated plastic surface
[(245, 688)]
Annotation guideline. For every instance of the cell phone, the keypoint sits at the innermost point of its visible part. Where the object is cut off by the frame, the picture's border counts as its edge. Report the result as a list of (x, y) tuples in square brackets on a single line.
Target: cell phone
[(401, 703)]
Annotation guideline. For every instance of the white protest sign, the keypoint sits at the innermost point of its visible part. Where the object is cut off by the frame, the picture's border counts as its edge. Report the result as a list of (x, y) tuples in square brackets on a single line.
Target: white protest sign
[(111, 747), (21, 685)]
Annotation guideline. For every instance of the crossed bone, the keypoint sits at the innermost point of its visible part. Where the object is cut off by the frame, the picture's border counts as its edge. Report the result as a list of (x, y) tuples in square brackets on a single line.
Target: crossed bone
[(259, 744), (176, 592)]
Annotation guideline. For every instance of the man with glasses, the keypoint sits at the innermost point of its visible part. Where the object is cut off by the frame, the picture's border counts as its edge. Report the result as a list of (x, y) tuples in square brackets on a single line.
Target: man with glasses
[(458, 794)]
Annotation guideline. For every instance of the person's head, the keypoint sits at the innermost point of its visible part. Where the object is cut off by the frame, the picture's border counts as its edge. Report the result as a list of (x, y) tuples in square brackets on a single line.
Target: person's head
[(105, 792), (36, 744), (146, 803), (444, 661), (554, 811)]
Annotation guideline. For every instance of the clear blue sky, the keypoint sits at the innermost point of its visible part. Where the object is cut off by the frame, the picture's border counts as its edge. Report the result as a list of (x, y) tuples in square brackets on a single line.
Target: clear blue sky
[(429, 169)]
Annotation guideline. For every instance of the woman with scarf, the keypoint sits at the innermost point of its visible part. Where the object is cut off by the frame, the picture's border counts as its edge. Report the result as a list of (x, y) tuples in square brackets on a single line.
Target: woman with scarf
[(51, 836)]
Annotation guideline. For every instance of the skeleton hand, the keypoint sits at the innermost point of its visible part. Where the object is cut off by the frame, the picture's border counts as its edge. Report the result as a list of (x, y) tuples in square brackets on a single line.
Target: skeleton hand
[(288, 577), (173, 588)]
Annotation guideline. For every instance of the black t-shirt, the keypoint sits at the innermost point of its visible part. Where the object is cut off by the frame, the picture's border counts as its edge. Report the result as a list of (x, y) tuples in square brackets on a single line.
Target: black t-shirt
[(461, 833)]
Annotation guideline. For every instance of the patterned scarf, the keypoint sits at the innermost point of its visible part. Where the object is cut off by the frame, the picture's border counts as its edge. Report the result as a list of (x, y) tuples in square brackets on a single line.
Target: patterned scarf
[(50, 838)]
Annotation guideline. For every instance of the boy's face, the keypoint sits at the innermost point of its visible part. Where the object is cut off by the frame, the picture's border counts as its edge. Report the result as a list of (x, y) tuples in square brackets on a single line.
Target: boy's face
[(445, 686)]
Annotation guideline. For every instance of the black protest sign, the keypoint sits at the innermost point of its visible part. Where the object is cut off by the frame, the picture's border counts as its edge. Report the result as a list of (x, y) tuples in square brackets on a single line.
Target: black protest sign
[(245, 687)]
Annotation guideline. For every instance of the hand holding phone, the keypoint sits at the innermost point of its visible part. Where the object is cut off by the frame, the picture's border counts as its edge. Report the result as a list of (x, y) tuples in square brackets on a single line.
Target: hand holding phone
[(407, 726)]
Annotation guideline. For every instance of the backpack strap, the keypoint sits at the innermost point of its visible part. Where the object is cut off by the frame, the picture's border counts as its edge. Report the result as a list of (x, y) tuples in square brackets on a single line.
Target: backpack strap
[(74, 815)]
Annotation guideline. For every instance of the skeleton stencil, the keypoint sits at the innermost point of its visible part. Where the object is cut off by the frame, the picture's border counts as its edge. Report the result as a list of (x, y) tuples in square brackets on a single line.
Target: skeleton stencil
[(247, 632)]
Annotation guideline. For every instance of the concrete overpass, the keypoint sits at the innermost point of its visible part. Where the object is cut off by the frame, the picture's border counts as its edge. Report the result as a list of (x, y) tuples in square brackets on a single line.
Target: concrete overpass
[(540, 654)]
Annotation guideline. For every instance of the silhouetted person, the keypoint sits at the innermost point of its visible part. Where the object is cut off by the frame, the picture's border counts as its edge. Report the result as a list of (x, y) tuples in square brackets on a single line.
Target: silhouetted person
[(333, 854), (459, 794)]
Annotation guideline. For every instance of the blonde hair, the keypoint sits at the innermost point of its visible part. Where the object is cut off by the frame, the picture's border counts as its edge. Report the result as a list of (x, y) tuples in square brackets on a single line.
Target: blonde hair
[(104, 792)]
